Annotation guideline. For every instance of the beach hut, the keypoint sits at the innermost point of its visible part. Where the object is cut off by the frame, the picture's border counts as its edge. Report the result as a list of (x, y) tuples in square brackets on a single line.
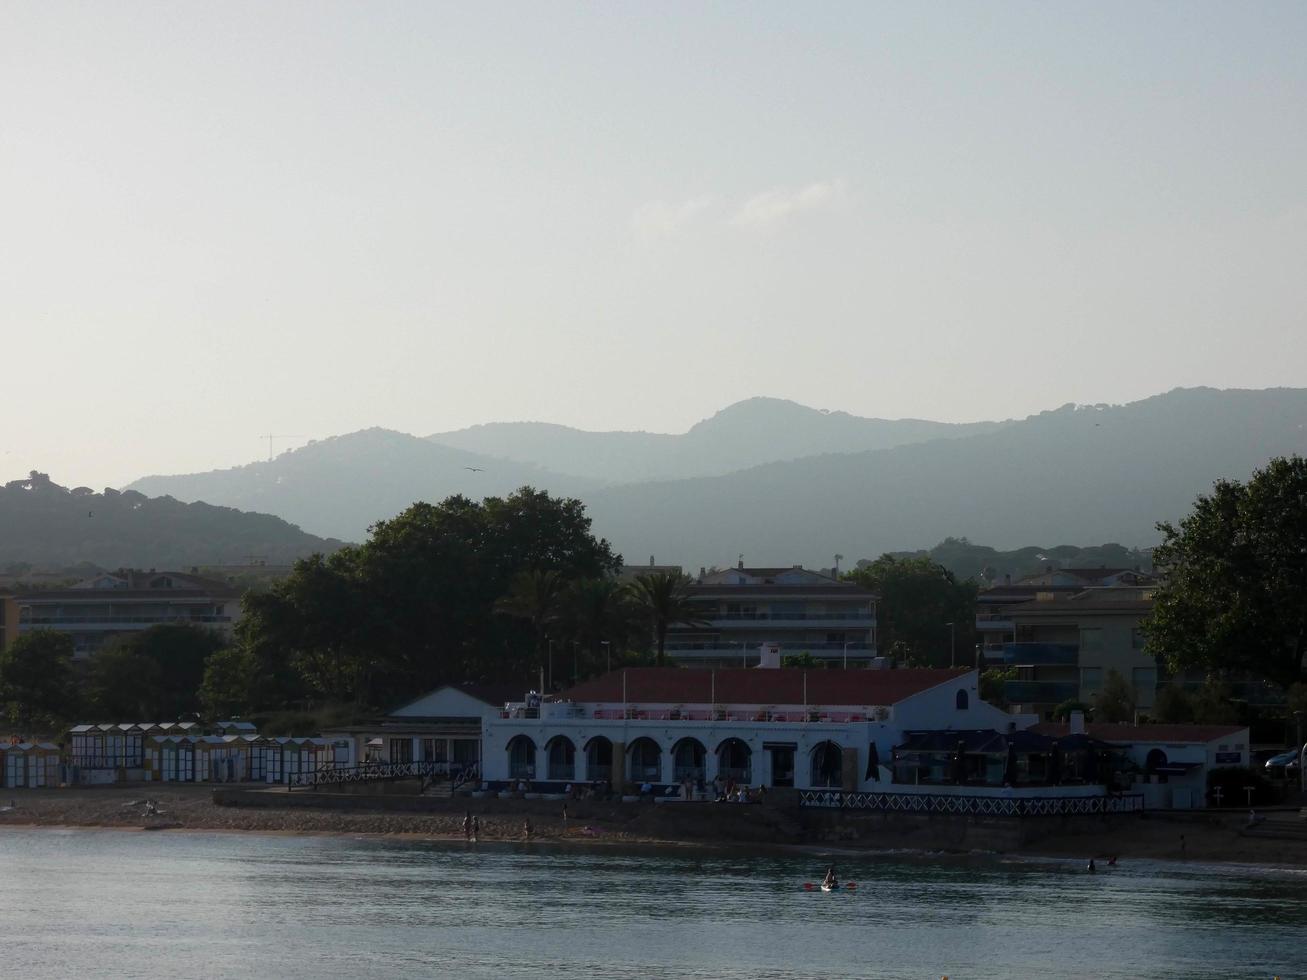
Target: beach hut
[(170, 758), (222, 758), (30, 765)]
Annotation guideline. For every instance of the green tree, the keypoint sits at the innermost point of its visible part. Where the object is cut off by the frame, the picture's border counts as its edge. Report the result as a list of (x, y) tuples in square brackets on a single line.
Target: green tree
[(37, 686), (918, 599), (804, 660), (992, 684), (535, 596), (320, 618), (1213, 703), (413, 606), (122, 683), (1172, 705), (1115, 700), (230, 684), (1233, 595), (664, 599)]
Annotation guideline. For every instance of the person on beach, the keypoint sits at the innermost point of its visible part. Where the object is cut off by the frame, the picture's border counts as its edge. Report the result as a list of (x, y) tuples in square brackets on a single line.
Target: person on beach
[(527, 828), (476, 828), (467, 825), (1182, 845), (565, 815)]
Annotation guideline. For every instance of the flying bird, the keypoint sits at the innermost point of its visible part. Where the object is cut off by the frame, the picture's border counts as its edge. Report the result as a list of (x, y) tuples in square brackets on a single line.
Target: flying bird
[(474, 469)]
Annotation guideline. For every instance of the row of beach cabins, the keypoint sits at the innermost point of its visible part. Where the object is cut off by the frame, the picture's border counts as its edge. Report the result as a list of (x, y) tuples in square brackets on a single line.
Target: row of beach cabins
[(187, 752)]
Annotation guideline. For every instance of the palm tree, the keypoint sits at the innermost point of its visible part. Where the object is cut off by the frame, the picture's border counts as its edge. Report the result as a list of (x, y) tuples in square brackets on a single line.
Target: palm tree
[(664, 597), (598, 611), (535, 596)]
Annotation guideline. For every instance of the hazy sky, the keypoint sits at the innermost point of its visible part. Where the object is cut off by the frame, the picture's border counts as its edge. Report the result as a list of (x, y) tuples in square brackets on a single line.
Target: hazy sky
[(222, 219)]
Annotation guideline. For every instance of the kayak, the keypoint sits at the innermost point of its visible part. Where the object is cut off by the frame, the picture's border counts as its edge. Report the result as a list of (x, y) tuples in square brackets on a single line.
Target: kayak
[(830, 888)]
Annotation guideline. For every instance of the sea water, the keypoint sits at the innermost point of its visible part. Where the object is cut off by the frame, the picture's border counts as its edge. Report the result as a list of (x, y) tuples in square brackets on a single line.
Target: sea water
[(98, 903)]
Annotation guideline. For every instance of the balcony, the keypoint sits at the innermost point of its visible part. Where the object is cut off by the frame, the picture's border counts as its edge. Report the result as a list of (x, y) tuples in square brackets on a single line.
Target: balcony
[(751, 647), (1037, 654), (861, 616), (111, 620), (1040, 692)]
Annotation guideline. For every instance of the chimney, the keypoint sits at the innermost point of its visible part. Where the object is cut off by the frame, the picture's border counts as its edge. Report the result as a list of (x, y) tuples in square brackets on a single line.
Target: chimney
[(740, 566), (651, 561), (703, 573), (1077, 723)]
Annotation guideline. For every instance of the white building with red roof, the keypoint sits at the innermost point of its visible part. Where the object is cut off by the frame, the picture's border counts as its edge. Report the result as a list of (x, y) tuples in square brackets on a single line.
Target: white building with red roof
[(806, 729)]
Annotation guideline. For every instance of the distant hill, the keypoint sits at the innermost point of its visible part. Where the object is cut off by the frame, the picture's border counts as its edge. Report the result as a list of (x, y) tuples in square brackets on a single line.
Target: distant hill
[(1095, 473), (748, 433), (44, 525), (341, 486), (1089, 474)]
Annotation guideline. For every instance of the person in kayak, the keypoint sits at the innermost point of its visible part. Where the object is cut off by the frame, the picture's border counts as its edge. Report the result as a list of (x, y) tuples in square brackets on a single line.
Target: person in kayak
[(830, 881)]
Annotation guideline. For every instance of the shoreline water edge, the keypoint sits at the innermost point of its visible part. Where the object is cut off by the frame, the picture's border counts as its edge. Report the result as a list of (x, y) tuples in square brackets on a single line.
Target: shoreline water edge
[(1199, 836)]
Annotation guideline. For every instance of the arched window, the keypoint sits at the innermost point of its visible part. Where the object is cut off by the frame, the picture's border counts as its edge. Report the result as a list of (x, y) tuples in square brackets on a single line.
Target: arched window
[(827, 766), (521, 758), (687, 760), (962, 701), (562, 757), (735, 761), (598, 759), (646, 761), (1155, 759)]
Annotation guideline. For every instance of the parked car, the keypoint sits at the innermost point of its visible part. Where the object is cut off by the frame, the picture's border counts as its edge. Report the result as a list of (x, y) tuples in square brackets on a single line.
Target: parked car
[(1288, 761)]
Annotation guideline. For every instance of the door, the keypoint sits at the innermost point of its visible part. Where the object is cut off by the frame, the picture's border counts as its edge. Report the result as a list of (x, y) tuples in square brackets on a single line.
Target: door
[(782, 766)]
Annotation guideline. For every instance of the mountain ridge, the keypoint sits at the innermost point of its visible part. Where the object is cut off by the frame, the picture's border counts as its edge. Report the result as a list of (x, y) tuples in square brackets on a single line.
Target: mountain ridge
[(1077, 472)]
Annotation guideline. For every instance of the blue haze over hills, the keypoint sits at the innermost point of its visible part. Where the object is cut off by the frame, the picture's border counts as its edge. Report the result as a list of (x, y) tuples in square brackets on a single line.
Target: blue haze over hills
[(784, 483)]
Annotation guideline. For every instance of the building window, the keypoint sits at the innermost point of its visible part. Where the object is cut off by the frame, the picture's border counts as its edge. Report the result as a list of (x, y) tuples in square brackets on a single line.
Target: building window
[(1091, 679), (1138, 640), (1091, 641), (1145, 681)]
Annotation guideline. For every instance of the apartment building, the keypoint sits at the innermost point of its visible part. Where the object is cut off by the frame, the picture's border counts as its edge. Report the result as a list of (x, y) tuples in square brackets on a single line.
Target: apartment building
[(112, 604), (792, 610), (1065, 641)]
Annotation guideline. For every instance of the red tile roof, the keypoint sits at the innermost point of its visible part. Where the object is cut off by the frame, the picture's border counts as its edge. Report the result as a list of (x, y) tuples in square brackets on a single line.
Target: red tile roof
[(1144, 733), (674, 685)]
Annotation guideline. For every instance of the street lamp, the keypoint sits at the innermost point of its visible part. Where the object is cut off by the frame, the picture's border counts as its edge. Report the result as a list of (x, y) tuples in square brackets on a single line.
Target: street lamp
[(608, 649), (846, 654)]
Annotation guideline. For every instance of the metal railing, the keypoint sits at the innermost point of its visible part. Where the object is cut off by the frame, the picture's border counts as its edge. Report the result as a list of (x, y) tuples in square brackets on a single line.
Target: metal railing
[(329, 775), (131, 620), (991, 806), (1039, 654)]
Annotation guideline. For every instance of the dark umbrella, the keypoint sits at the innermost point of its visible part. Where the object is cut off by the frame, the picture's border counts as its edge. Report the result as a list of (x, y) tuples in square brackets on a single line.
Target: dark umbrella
[(1055, 764), (873, 764), (1010, 769)]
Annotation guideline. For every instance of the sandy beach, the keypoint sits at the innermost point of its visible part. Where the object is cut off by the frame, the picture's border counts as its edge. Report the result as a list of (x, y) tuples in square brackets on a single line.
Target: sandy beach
[(1195, 836), (190, 807)]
